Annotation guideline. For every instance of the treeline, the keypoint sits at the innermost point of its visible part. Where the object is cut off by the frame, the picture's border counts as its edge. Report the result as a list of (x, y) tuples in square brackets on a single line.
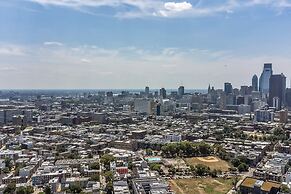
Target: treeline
[(187, 149)]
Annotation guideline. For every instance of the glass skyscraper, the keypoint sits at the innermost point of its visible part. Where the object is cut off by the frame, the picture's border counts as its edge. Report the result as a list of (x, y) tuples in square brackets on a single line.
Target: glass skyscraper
[(265, 79), (255, 83), (277, 91)]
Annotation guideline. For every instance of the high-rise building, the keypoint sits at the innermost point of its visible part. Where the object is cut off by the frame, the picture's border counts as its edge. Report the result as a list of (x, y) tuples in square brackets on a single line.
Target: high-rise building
[(147, 90), (227, 88), (265, 78), (255, 83), (288, 97), (181, 91), (163, 93), (277, 93)]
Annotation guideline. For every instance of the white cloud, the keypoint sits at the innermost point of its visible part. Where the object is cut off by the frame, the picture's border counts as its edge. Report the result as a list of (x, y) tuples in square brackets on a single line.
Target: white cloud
[(86, 60), (89, 66), (172, 6), (163, 8), (53, 44), (12, 50)]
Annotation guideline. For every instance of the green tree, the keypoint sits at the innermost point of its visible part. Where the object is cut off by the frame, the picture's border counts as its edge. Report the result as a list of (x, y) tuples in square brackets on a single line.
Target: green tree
[(109, 188), (8, 163), (213, 173), (47, 190), (108, 176), (243, 167), (285, 189), (155, 167), (95, 166), (235, 162), (95, 177), (106, 159), (149, 152), (172, 170), (29, 189), (75, 188), (10, 188), (201, 170), (21, 190)]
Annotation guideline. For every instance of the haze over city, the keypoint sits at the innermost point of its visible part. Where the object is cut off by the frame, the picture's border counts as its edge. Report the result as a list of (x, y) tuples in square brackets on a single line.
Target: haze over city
[(129, 44)]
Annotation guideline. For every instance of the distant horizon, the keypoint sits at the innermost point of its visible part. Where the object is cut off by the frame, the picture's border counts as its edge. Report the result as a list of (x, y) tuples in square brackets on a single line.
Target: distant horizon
[(101, 89), (117, 44)]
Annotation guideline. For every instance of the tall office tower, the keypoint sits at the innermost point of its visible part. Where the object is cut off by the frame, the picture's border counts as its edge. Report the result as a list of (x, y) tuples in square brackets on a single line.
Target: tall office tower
[(163, 93), (244, 90), (181, 91), (227, 88), (255, 83), (277, 93), (265, 78), (147, 90), (288, 97)]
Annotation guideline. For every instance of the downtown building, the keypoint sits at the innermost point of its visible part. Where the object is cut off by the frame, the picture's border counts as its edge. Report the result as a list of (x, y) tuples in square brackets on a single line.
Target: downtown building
[(277, 93), (265, 79)]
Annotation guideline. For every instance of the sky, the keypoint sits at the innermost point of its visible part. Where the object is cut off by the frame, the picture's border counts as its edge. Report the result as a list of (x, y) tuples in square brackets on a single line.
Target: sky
[(91, 44)]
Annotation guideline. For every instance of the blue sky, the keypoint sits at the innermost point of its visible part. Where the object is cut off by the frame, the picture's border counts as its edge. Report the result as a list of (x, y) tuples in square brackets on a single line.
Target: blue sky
[(133, 43)]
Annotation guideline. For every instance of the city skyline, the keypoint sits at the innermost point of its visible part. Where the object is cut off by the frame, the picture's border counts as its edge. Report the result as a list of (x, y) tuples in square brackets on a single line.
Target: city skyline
[(131, 44)]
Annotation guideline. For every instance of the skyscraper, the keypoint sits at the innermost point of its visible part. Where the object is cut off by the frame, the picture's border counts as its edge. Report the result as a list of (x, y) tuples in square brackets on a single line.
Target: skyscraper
[(181, 91), (265, 78), (163, 93), (147, 90), (227, 88), (255, 83), (288, 97), (277, 93)]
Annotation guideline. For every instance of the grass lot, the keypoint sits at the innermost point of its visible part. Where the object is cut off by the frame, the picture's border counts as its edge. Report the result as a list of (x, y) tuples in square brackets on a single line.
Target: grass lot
[(201, 186), (211, 161)]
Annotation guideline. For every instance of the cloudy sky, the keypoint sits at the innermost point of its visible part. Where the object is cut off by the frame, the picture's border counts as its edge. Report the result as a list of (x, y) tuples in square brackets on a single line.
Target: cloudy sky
[(133, 43)]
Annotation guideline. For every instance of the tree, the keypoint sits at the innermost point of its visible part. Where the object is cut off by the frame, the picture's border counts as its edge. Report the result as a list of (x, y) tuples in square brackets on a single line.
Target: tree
[(235, 162), (109, 188), (202, 170), (8, 163), (172, 170), (95, 177), (243, 167), (130, 165), (213, 173), (10, 188), (155, 167), (47, 190), (21, 190), (149, 152), (285, 189), (106, 159), (75, 188), (29, 189), (95, 166), (235, 181), (108, 176)]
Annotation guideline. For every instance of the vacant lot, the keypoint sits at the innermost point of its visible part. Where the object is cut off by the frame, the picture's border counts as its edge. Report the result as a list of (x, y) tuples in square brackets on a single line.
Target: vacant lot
[(201, 186), (211, 161)]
